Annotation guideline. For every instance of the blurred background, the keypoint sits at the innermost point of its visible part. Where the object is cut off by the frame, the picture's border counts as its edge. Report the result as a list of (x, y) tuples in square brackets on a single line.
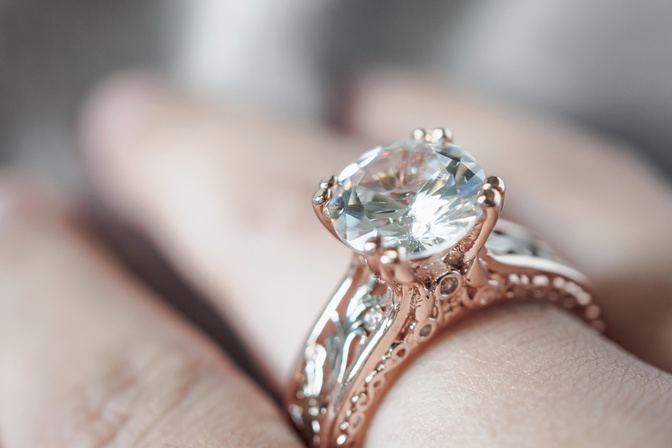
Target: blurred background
[(602, 64)]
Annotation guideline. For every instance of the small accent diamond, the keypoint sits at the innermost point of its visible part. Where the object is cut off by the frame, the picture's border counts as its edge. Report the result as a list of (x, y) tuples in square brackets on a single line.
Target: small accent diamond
[(372, 318)]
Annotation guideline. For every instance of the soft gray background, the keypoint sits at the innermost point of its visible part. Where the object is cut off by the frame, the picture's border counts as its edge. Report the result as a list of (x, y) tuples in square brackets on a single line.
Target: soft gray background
[(603, 64)]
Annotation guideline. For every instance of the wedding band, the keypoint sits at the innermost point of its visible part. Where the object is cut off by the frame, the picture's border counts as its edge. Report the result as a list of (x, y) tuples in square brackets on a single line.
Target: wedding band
[(423, 222)]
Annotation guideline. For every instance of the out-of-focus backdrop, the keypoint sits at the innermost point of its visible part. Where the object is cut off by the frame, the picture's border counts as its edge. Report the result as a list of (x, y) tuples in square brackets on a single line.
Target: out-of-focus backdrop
[(604, 64)]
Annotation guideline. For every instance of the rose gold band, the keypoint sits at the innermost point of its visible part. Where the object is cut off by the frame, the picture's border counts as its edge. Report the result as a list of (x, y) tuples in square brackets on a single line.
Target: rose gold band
[(368, 329), (387, 306)]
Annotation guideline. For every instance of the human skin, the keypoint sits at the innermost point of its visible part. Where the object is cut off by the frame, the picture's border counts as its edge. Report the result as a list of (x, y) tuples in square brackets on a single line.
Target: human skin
[(91, 358)]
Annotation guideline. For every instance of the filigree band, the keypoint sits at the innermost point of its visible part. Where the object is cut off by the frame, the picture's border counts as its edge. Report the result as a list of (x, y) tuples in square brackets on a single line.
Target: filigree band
[(343, 371), (450, 254)]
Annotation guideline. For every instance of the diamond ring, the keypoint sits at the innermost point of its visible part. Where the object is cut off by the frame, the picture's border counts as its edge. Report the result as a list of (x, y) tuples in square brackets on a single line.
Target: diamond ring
[(423, 222)]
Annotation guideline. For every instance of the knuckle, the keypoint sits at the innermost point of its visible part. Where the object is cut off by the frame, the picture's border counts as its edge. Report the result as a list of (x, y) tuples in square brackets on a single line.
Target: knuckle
[(33, 217), (24, 199), (159, 395), (130, 400)]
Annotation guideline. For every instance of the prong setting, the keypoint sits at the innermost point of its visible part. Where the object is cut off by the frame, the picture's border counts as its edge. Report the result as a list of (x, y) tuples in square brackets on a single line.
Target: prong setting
[(320, 198), (494, 183), (419, 134), (372, 246), (436, 135), (490, 198), (328, 182), (441, 135), (388, 263)]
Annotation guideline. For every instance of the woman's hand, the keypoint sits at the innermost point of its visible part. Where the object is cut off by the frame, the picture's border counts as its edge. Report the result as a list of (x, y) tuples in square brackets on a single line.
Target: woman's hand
[(90, 358)]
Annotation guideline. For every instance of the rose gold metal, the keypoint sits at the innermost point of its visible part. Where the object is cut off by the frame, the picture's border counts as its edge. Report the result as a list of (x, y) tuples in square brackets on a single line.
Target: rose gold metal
[(320, 198), (328, 182), (441, 134), (387, 306), (419, 134), (434, 135)]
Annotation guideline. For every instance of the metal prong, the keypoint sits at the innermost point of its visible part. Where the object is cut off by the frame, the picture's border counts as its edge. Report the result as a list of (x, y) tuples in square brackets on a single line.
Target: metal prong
[(490, 198), (372, 252), (496, 183), (372, 246), (394, 261), (420, 135), (390, 264), (320, 198), (441, 135), (491, 202), (328, 182)]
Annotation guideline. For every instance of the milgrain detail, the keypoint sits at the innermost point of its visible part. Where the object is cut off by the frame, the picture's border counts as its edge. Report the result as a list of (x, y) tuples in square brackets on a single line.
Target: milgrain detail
[(340, 377)]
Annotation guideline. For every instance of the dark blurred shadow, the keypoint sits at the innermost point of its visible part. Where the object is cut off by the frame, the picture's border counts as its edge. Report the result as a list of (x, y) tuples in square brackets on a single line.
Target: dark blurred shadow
[(638, 315), (142, 259)]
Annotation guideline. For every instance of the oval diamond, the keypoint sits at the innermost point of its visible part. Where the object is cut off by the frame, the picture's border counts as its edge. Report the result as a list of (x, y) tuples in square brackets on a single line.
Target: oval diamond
[(418, 195)]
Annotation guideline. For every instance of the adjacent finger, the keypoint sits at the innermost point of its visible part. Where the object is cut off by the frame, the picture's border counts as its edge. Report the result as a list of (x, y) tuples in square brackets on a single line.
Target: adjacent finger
[(88, 357), (275, 266), (591, 197), (227, 198)]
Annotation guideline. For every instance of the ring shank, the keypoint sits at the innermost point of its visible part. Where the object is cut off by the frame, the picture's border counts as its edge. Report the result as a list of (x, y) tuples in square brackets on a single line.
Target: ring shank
[(369, 328)]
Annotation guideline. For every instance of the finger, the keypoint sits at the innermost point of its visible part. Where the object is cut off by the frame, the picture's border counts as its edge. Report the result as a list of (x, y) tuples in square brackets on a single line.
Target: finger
[(516, 355), (88, 358), (525, 375), (224, 196), (608, 212)]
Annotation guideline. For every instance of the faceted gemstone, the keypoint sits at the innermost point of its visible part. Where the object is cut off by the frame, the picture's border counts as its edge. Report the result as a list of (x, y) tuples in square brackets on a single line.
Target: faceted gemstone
[(448, 286), (372, 318), (418, 195)]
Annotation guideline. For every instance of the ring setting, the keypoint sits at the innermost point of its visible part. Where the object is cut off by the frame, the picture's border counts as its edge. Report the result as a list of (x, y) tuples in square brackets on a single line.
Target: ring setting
[(422, 220)]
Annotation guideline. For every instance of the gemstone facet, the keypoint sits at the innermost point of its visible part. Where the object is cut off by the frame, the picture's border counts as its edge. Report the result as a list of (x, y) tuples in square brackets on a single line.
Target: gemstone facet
[(419, 195)]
